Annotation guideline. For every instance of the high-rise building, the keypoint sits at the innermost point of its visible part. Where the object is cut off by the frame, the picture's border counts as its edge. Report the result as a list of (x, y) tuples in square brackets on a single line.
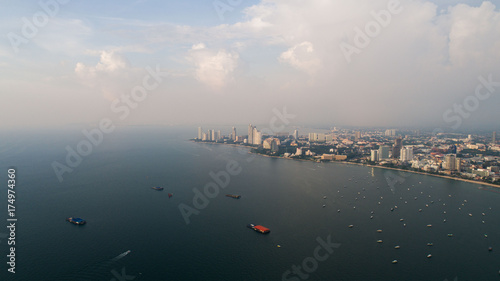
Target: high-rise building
[(250, 134), (458, 164), (494, 138), (296, 134), (200, 133), (271, 143), (212, 135), (257, 137), (357, 135), (396, 149), (406, 154), (374, 156), (390, 133), (233, 134), (450, 162), (383, 152), (218, 135)]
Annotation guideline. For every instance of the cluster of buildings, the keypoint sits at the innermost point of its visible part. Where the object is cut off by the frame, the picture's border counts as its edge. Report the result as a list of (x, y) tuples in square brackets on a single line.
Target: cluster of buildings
[(468, 156)]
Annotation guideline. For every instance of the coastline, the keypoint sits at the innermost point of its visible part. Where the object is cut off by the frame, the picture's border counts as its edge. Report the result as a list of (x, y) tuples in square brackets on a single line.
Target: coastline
[(366, 165)]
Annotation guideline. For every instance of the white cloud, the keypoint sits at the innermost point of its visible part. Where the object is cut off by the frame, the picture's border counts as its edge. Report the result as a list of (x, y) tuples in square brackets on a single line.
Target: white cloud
[(302, 57), (474, 34), (112, 75), (109, 63), (213, 68)]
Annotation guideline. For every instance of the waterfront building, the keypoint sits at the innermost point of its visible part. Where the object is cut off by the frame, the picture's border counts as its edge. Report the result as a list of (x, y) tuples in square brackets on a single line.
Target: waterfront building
[(374, 156), (271, 143), (257, 137), (200, 133), (450, 162), (383, 152), (396, 149), (250, 134), (406, 154)]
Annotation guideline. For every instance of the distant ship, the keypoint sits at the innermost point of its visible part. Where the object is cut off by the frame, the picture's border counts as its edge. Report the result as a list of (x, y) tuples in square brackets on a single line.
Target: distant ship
[(233, 196), (78, 221), (157, 188), (259, 228)]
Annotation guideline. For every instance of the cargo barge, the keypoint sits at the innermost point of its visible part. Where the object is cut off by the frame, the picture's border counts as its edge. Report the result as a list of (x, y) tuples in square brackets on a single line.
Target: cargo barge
[(78, 221), (233, 196), (259, 228)]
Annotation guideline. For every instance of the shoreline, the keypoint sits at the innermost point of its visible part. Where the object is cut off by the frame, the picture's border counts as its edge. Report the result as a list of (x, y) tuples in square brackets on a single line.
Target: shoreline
[(365, 165)]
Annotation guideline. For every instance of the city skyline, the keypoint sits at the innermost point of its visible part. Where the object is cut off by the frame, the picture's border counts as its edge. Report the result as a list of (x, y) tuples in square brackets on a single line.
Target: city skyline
[(180, 63)]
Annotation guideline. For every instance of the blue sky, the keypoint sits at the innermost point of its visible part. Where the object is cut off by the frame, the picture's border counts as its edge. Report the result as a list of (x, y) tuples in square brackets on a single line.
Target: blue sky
[(237, 65)]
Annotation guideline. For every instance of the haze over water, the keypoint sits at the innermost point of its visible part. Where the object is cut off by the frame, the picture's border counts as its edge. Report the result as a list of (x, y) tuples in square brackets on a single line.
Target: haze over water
[(111, 189)]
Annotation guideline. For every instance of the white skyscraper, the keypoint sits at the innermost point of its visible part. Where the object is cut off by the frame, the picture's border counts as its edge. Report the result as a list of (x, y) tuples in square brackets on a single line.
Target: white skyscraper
[(257, 137), (406, 154), (200, 133), (233, 134), (374, 156), (296, 134)]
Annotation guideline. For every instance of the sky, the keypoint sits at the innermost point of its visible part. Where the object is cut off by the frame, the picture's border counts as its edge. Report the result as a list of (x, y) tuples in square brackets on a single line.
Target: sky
[(334, 63)]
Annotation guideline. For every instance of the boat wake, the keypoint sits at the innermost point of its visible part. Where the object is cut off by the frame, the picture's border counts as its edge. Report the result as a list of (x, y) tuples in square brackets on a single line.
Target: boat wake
[(99, 270), (120, 256)]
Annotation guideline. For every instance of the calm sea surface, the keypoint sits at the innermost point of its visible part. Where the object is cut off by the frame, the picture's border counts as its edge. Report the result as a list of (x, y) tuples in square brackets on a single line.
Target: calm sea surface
[(111, 189)]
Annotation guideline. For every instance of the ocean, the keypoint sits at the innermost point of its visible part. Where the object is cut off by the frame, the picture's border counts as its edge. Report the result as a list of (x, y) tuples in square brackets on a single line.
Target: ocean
[(200, 234)]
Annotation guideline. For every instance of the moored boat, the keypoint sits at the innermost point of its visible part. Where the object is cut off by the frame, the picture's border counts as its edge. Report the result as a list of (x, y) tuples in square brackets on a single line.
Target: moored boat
[(259, 228), (78, 221)]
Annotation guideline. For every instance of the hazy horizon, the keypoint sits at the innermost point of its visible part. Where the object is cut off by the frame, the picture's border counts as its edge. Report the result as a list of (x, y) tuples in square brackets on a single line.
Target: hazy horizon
[(365, 64)]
